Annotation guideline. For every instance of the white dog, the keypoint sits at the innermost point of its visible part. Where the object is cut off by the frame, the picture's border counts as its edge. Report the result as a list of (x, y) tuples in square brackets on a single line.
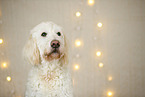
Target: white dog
[(46, 50)]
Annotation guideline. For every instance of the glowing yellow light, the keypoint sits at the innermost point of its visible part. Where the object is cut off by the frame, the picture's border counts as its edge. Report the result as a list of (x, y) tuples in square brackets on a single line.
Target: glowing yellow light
[(110, 78), (99, 24), (8, 78), (78, 43), (109, 93), (78, 14), (98, 53), (76, 67), (4, 65), (90, 2), (100, 65), (1, 41)]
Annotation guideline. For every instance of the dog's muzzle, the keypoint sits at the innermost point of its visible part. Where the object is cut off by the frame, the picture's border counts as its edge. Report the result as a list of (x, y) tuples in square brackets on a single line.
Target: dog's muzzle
[(54, 52)]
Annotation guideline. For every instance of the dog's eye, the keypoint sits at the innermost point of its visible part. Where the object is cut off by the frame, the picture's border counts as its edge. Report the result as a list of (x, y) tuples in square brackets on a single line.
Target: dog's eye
[(44, 34), (58, 33)]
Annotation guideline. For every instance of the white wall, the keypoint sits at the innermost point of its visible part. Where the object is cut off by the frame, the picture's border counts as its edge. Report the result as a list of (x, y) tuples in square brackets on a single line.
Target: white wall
[(121, 40)]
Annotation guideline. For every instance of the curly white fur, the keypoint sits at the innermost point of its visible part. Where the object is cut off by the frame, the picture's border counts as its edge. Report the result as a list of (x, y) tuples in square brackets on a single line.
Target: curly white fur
[(49, 76)]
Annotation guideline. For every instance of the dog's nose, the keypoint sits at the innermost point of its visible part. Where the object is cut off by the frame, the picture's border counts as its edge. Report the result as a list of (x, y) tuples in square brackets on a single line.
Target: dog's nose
[(55, 44)]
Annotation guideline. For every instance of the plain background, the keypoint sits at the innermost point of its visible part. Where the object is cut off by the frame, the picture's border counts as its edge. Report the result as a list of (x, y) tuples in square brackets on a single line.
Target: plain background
[(121, 41)]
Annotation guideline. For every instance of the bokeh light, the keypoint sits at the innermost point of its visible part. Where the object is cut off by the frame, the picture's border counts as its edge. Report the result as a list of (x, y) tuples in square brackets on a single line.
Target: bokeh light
[(78, 14), (76, 66), (8, 78), (99, 24), (110, 78), (4, 65), (100, 65), (109, 93), (1, 41), (91, 2), (78, 43), (98, 53)]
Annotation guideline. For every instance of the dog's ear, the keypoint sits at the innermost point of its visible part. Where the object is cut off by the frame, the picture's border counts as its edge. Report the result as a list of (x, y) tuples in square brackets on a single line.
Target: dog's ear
[(64, 59), (31, 52)]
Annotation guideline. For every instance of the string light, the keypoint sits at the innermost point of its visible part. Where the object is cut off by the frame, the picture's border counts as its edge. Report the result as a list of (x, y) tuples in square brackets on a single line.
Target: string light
[(95, 38), (110, 78), (100, 65), (109, 93), (1, 41), (100, 24), (8, 78), (98, 53), (77, 55), (76, 67), (78, 14), (78, 43), (4, 65), (91, 2), (78, 28)]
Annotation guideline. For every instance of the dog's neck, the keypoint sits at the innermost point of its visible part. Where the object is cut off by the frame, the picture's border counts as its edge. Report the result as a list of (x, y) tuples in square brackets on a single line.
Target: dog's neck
[(51, 65), (50, 70)]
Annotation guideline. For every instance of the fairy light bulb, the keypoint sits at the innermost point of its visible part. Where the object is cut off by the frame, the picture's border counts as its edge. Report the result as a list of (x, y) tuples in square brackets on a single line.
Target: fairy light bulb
[(77, 55), (110, 78), (8, 78), (1, 41), (78, 43), (109, 93), (76, 67), (78, 14), (99, 24), (91, 2), (4, 65), (100, 65), (98, 53)]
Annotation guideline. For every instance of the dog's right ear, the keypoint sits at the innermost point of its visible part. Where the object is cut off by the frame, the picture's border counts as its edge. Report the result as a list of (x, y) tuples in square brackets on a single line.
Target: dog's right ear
[(31, 52)]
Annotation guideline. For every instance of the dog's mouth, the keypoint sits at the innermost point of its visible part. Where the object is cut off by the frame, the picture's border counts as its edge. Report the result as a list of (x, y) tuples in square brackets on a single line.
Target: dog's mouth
[(54, 54)]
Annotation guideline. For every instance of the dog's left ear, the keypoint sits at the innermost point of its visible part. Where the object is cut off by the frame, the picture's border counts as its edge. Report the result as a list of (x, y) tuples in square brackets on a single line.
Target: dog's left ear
[(64, 59)]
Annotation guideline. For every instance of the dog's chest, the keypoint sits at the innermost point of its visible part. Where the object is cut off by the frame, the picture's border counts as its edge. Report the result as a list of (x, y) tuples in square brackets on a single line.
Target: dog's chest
[(49, 83), (52, 76)]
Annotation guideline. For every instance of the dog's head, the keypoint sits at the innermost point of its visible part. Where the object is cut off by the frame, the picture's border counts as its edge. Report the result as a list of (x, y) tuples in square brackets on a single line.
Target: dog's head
[(46, 43)]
